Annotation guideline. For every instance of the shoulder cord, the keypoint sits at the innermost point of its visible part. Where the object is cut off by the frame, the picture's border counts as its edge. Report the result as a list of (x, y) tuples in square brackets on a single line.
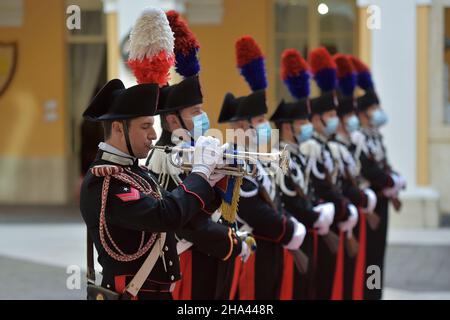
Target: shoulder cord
[(130, 178)]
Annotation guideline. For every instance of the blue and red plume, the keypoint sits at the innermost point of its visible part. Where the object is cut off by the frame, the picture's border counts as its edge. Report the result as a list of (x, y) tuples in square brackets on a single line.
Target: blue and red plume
[(323, 68), (346, 74), (186, 46), (295, 73), (364, 76), (250, 61)]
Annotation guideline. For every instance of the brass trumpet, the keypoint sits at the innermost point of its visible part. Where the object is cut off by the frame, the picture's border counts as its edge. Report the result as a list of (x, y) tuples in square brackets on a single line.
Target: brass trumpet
[(279, 158)]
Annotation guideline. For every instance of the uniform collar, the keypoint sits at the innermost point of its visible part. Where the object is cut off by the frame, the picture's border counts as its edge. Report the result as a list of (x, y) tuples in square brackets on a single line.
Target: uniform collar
[(114, 155)]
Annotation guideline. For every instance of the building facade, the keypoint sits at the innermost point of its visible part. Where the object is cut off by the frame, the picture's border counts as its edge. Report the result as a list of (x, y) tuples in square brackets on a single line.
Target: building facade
[(57, 70)]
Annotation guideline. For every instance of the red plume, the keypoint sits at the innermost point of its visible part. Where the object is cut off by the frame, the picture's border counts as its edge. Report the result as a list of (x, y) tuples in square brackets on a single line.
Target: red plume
[(320, 59), (292, 63), (358, 64), (185, 40), (247, 50), (152, 69), (344, 65)]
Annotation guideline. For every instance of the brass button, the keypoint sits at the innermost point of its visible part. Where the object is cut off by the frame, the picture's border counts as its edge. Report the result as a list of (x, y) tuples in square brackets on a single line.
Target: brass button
[(172, 278), (166, 248), (170, 263)]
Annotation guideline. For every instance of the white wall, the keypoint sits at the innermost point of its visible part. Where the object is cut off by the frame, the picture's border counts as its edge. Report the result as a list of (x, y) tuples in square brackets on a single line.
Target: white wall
[(394, 71)]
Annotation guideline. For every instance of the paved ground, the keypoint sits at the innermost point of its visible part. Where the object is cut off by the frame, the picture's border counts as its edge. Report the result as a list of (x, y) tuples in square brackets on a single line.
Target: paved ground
[(37, 248)]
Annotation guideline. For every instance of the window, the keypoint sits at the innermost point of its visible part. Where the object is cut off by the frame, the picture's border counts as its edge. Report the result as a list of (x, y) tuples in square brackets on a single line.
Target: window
[(86, 50), (299, 25)]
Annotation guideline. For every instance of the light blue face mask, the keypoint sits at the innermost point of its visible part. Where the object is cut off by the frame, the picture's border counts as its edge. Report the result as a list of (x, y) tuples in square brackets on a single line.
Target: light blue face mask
[(306, 132), (263, 132), (201, 125), (331, 126), (352, 124), (379, 118)]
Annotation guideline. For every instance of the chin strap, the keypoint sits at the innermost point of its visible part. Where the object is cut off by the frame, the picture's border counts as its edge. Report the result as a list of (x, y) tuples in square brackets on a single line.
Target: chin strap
[(293, 133), (183, 125), (127, 138)]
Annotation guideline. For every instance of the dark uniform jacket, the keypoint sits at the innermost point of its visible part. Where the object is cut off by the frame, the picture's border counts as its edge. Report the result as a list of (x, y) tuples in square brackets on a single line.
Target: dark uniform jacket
[(369, 149), (271, 227), (324, 185), (130, 212), (214, 243), (294, 189)]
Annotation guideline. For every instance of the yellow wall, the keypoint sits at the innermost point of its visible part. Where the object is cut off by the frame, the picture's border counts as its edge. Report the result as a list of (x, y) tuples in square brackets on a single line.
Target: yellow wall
[(364, 37), (40, 76), (217, 55), (422, 95)]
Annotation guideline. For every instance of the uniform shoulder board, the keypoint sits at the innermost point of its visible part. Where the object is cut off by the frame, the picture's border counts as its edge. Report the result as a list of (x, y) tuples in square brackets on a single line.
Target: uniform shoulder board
[(249, 187), (105, 170)]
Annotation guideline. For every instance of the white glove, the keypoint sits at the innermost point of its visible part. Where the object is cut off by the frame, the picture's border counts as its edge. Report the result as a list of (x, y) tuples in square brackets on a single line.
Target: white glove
[(326, 217), (399, 183), (245, 252), (207, 155), (350, 223), (371, 201), (297, 237)]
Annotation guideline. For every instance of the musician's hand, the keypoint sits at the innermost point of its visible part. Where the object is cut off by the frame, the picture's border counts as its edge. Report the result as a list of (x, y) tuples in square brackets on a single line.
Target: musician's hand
[(326, 217), (350, 223), (371, 201), (207, 155), (297, 237), (245, 252), (399, 184)]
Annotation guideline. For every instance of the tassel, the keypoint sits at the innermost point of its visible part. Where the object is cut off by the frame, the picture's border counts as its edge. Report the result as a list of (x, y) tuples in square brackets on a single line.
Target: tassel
[(229, 210)]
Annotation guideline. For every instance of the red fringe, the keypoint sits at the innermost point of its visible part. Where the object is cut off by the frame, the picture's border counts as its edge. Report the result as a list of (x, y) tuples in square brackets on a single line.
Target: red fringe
[(247, 280), (247, 50), (292, 63), (236, 276), (120, 284), (344, 65), (358, 280), (154, 69), (183, 288), (320, 59), (185, 39), (358, 64), (287, 282), (312, 290), (338, 282)]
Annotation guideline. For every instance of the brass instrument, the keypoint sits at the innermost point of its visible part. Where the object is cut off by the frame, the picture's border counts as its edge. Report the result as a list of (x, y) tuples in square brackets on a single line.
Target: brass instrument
[(279, 158)]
